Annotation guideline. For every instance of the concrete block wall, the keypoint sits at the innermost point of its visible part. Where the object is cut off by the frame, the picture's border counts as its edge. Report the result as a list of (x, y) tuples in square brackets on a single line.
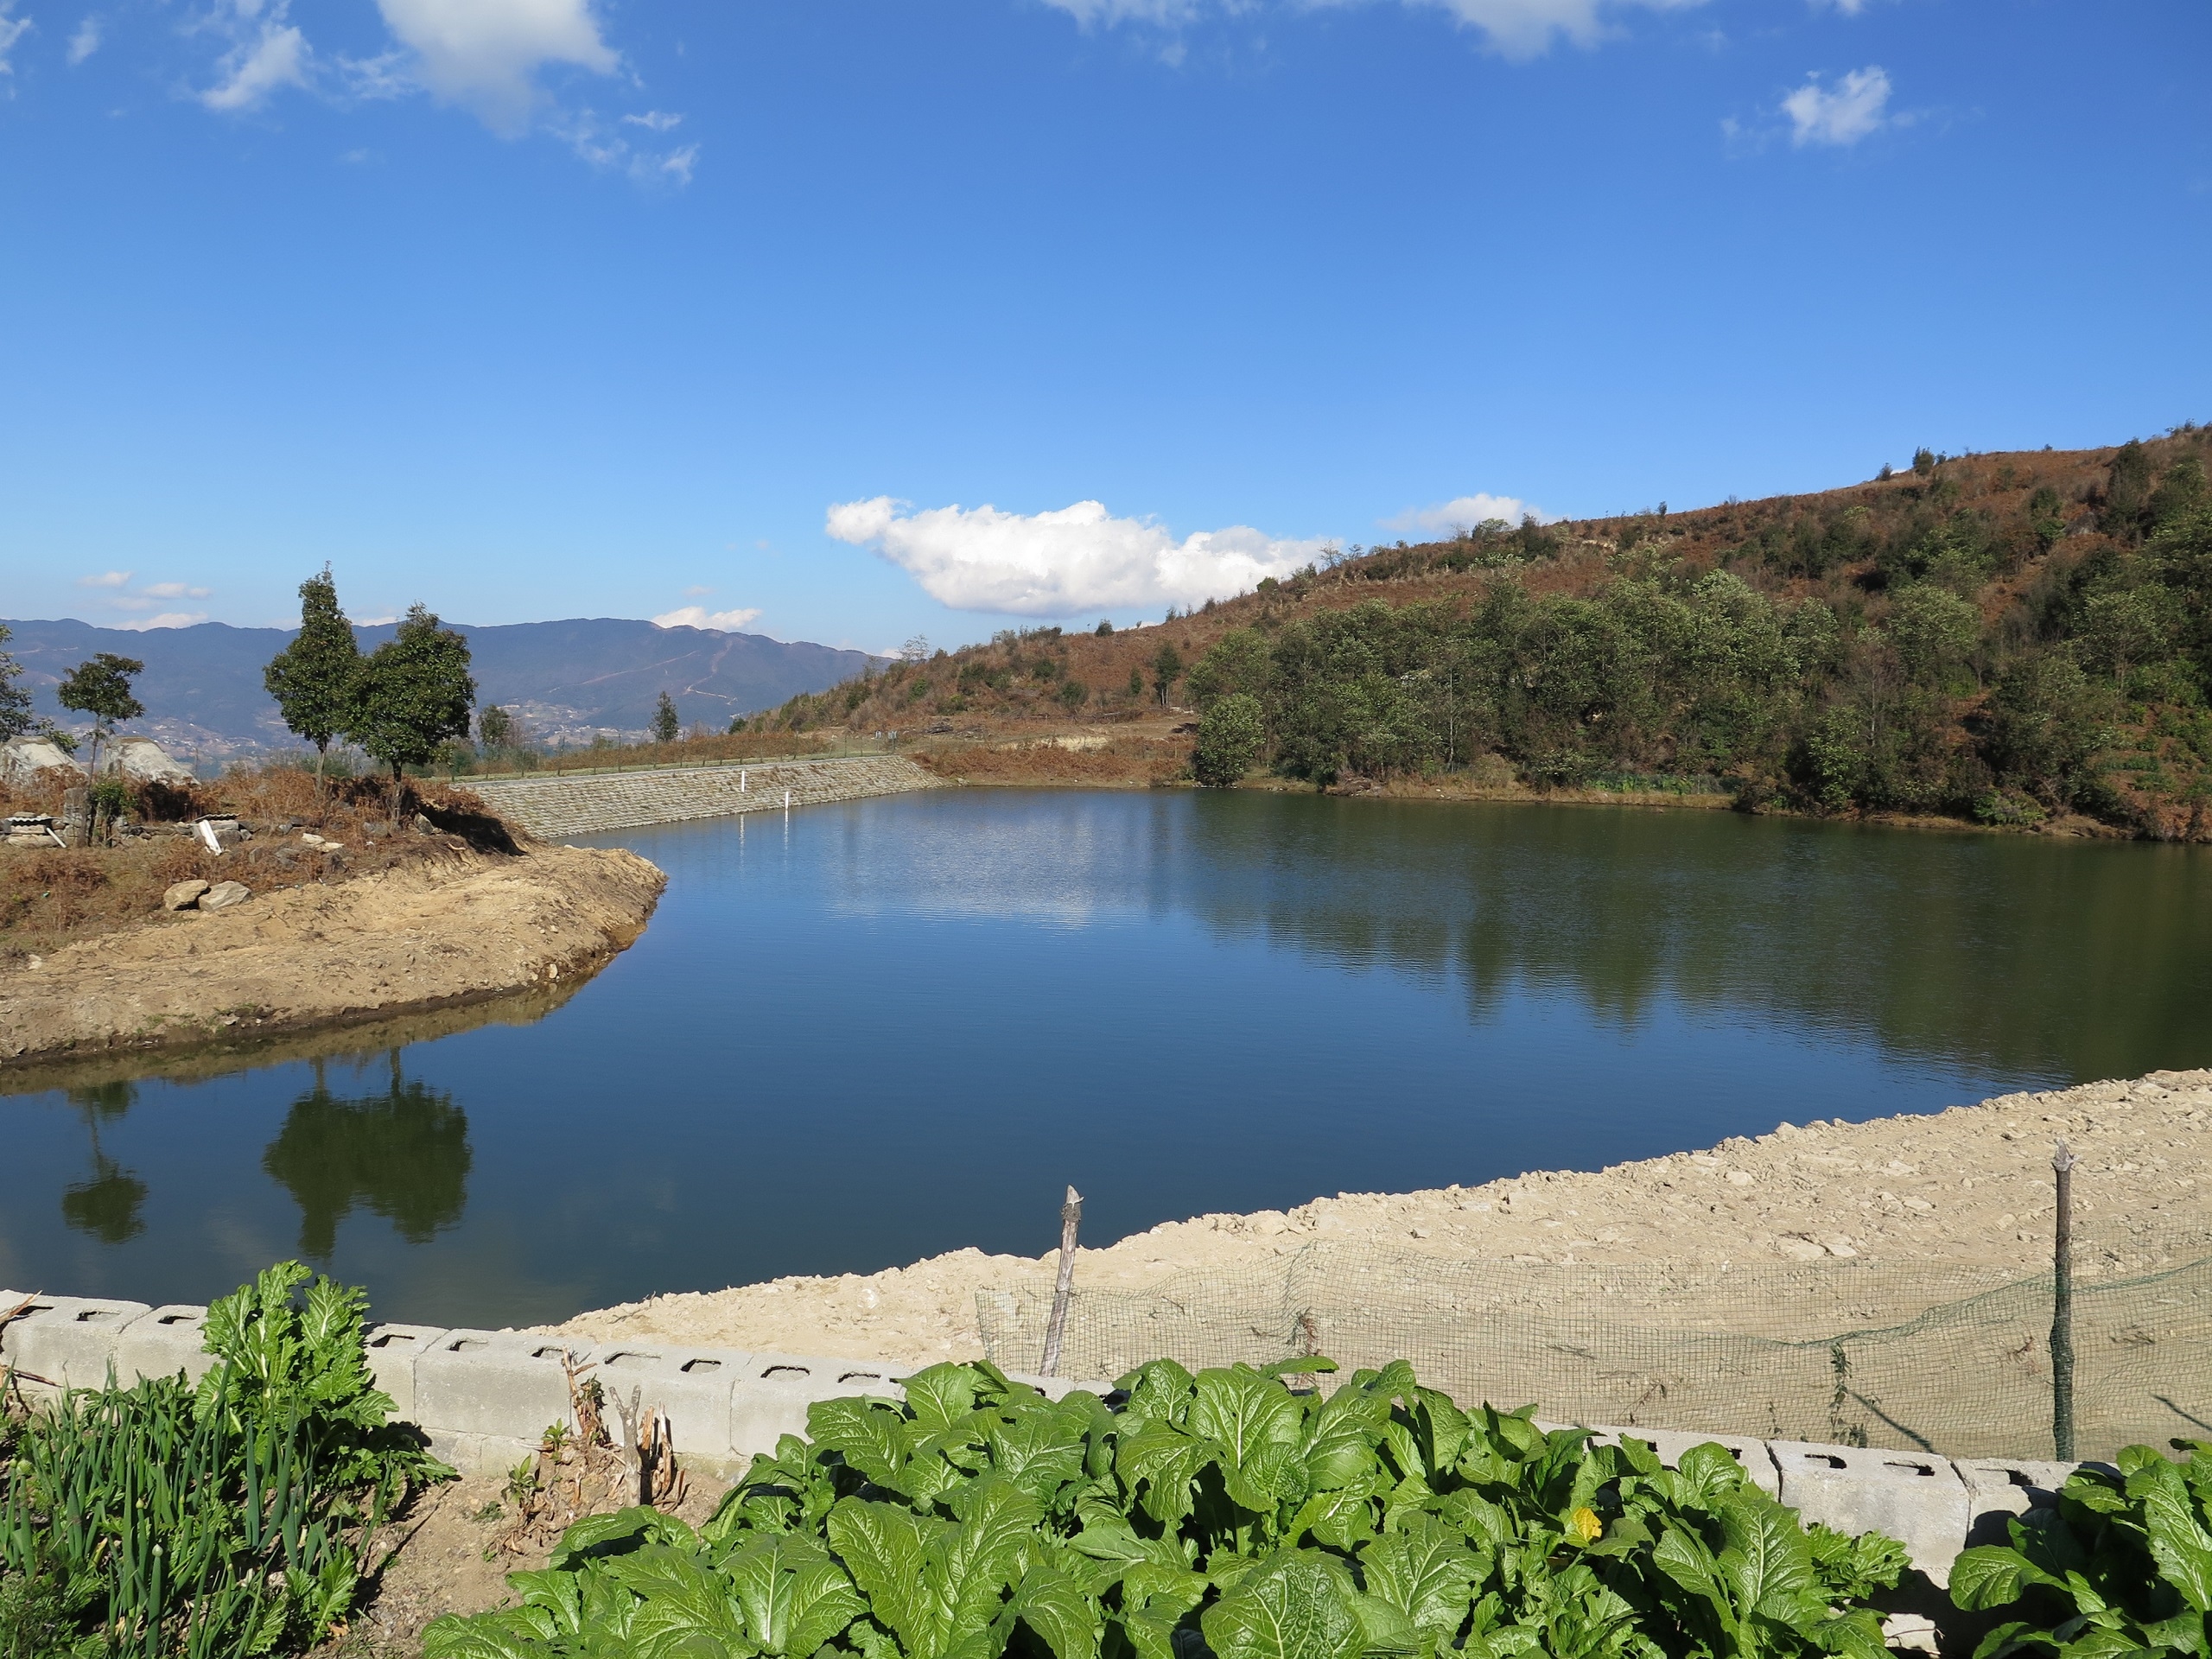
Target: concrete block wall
[(552, 807), (485, 1399)]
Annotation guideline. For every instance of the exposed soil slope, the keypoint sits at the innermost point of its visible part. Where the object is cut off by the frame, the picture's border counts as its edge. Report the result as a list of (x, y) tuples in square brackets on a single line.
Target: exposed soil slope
[(1968, 1188), (460, 928)]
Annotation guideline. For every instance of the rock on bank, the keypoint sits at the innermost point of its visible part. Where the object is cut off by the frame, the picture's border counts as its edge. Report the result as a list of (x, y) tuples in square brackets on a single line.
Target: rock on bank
[(458, 930)]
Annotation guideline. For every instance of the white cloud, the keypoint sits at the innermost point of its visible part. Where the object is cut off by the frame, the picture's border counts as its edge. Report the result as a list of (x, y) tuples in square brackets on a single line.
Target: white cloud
[(266, 53), (658, 120), (1461, 512), (609, 147), (699, 616), (1848, 7), (166, 619), (1517, 29), (84, 41), (697, 592), (11, 30), (106, 579), (1080, 558), (486, 54), (175, 590), (1858, 105)]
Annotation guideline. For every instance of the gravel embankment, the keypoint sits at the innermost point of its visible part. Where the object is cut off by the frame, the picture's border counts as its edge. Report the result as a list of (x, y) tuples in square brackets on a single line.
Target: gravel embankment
[(1969, 1188)]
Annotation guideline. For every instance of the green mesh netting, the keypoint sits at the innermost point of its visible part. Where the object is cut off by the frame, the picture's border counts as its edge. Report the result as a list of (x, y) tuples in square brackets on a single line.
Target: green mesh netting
[(1952, 1361)]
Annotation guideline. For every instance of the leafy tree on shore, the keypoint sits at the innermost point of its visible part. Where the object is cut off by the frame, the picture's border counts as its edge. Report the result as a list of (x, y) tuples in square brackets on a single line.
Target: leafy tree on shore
[(15, 701), (412, 693), (313, 679), (665, 724), (101, 688), (1232, 733)]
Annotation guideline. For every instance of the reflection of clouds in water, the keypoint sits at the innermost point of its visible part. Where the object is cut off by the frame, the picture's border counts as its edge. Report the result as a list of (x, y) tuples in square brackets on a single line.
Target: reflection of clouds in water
[(1065, 868)]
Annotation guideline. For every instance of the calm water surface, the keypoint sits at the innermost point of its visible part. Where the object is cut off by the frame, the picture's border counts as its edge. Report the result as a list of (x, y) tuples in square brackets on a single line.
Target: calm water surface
[(869, 1032)]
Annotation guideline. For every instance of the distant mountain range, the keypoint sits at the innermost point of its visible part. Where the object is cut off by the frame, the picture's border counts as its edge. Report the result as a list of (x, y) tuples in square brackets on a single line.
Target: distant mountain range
[(566, 682)]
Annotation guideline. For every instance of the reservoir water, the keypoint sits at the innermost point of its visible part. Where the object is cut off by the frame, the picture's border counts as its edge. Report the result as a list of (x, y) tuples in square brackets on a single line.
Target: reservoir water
[(856, 1035)]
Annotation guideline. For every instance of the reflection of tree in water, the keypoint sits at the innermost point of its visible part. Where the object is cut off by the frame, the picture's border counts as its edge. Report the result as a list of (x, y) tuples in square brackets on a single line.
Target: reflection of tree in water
[(107, 1205), (2015, 953), (404, 1153)]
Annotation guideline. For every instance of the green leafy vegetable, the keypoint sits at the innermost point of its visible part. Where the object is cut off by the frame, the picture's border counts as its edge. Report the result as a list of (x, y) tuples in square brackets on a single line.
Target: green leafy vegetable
[(1221, 1513)]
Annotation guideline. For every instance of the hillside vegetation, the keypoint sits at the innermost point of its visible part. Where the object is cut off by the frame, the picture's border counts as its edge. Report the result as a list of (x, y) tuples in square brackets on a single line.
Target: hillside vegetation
[(2021, 639)]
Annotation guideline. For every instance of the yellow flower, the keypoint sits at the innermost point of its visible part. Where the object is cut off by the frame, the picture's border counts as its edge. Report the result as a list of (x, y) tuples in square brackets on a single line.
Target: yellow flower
[(1584, 1525)]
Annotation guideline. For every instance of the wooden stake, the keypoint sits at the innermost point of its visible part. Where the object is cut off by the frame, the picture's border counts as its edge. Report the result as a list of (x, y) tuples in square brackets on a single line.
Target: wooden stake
[(1070, 1219), (2062, 1310)]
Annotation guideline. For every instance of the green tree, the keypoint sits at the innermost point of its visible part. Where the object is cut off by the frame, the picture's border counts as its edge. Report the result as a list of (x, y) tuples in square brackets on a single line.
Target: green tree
[(1136, 683), (1238, 661), (495, 728), (1074, 694), (1232, 733), (101, 688), (312, 678), (413, 693), (15, 701), (1167, 668), (1935, 631), (2047, 723), (665, 725)]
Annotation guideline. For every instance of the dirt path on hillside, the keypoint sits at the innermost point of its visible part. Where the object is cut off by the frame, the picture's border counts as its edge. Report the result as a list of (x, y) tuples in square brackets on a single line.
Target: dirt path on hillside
[(460, 929), (1968, 1190)]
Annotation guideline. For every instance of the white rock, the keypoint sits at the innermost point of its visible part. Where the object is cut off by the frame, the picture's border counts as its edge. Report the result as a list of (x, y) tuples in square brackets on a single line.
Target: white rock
[(27, 759), (144, 760)]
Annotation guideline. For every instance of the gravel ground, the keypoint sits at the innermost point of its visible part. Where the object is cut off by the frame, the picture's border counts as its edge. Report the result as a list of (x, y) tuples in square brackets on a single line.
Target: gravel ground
[(1969, 1188)]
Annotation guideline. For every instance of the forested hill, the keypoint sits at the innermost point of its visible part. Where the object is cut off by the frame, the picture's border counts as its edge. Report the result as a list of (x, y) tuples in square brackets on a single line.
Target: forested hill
[(2007, 637), (565, 681)]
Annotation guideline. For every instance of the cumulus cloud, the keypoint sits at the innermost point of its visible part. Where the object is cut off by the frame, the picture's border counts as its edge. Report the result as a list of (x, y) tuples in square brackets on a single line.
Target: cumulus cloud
[(1855, 107), (1461, 512), (699, 616), (1080, 558), (84, 41), (1516, 28), (106, 579), (484, 54), (266, 53)]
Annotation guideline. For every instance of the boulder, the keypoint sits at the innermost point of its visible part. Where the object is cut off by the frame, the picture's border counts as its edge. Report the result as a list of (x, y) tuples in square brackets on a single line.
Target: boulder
[(142, 760), (34, 761), (224, 894), (185, 894)]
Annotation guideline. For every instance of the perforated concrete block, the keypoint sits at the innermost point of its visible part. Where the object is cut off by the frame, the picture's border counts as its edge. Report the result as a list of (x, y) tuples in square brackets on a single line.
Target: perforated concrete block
[(1671, 1443), (161, 1341), (694, 1385), (1914, 1497), (392, 1351), (2000, 1488), (506, 1385), (67, 1341), (774, 1390)]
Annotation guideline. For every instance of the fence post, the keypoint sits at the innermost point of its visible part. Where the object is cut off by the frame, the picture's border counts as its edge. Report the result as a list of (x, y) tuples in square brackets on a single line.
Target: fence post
[(2062, 1310), (1070, 1220)]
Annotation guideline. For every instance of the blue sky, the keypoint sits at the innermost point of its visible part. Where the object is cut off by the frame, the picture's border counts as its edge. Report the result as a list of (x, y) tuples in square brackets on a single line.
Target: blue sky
[(531, 308)]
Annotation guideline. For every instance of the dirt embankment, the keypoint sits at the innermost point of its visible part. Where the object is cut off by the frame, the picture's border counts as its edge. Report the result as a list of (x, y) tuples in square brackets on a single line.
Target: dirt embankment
[(457, 929), (1969, 1188)]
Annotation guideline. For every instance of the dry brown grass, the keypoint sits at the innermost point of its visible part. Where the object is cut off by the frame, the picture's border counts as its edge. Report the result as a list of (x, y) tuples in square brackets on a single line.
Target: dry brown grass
[(1125, 763), (50, 897)]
